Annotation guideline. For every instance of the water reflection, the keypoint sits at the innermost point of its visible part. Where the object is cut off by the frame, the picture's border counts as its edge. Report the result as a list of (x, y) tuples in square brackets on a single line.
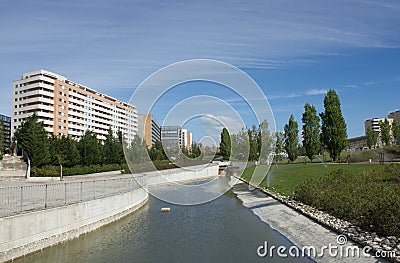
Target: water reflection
[(218, 231)]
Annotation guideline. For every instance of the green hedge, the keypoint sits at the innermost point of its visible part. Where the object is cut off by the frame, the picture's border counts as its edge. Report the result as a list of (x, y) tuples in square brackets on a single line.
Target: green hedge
[(54, 171), (369, 200)]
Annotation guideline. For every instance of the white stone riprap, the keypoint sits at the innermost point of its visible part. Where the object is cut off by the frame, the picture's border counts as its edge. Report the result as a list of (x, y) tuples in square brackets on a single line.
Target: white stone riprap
[(299, 228)]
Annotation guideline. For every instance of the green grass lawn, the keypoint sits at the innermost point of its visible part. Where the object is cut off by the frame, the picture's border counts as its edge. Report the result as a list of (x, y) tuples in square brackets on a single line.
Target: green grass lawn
[(367, 195), (284, 178)]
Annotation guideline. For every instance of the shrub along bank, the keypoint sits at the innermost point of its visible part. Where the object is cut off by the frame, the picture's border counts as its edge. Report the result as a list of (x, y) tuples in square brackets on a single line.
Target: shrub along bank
[(370, 200)]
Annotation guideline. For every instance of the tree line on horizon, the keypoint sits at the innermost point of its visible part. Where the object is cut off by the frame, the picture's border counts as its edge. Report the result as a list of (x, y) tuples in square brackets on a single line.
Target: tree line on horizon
[(326, 130), (253, 144), (45, 150)]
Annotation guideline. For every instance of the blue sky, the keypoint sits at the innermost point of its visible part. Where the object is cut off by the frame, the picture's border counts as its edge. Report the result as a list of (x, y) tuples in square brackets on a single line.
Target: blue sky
[(294, 50)]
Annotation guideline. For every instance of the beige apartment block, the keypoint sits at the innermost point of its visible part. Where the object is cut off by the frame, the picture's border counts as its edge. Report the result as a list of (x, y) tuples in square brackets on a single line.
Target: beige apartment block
[(69, 108), (148, 129), (186, 139)]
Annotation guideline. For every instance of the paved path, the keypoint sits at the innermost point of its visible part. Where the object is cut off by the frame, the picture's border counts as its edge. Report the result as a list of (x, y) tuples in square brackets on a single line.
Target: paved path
[(299, 229), (17, 196), (7, 181)]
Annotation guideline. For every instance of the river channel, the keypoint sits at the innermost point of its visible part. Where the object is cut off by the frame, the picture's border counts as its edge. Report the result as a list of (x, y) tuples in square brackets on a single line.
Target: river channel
[(218, 231)]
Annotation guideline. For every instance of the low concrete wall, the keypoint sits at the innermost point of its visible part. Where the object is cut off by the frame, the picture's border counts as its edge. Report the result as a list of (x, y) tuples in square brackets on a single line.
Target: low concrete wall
[(26, 233), (181, 174), (43, 179)]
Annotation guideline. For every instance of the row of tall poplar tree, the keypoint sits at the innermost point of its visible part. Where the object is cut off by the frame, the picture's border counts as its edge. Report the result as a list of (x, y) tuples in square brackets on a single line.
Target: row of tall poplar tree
[(324, 131)]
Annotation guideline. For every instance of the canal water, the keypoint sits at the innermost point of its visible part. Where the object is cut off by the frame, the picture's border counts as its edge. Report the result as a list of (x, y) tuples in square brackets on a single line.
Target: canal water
[(217, 231)]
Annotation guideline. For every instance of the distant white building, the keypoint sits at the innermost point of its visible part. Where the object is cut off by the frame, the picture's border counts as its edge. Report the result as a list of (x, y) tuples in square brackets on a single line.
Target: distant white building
[(171, 136), (374, 125)]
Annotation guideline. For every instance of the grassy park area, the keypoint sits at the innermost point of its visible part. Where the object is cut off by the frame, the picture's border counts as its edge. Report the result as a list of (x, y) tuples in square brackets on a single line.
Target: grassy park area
[(284, 178), (368, 195)]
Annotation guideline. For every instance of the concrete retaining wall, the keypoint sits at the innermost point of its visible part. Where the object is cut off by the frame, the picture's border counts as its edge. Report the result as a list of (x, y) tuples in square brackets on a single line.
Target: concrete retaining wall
[(181, 174), (26, 233)]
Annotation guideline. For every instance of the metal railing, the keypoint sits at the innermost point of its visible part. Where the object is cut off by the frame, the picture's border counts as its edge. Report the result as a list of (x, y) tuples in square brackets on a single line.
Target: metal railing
[(27, 198)]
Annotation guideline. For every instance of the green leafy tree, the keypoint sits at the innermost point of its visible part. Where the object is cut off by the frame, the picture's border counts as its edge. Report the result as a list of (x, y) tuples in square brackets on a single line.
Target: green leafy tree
[(32, 138), (372, 138), (157, 153), (311, 131), (254, 143), (137, 152), (64, 151), (240, 145), (195, 150), (264, 141), (225, 144), (112, 148), (90, 149), (385, 131), (120, 149), (334, 131), (291, 139), (72, 153), (185, 151), (396, 132), (279, 145)]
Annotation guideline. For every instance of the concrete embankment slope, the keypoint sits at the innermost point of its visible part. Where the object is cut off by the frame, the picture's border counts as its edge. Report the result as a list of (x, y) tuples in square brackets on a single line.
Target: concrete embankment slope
[(25, 233), (300, 230), (181, 175)]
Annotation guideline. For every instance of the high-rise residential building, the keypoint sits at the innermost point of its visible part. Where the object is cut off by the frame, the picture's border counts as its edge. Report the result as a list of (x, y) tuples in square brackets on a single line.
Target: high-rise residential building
[(148, 129), (374, 126), (186, 139), (171, 136), (7, 131), (395, 116), (69, 108)]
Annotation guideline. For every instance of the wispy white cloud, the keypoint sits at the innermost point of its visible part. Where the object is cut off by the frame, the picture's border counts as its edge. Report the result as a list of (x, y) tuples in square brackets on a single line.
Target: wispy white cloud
[(107, 44), (316, 91), (310, 92), (284, 96), (211, 125), (369, 83), (351, 86)]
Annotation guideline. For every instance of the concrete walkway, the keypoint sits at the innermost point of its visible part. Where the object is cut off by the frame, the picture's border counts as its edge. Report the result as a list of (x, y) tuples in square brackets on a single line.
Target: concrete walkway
[(299, 229)]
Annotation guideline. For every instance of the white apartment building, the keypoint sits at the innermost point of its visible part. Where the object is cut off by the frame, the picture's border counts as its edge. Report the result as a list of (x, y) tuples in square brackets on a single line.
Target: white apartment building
[(69, 108), (374, 125)]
